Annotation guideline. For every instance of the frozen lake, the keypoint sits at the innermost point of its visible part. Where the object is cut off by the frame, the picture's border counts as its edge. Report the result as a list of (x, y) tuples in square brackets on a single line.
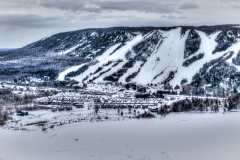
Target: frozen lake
[(184, 136)]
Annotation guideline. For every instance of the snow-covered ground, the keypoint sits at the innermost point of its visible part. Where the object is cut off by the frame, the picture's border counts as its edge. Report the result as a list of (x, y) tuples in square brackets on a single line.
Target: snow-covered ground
[(181, 136), (58, 118), (167, 56), (62, 75), (171, 58), (106, 57)]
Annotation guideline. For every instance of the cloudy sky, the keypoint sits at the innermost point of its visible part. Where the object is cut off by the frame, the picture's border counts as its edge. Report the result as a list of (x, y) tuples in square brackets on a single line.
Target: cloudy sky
[(26, 21)]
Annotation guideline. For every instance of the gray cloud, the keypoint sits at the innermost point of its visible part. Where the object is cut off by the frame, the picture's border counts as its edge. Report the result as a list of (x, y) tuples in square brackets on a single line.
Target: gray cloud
[(21, 36), (182, 17), (144, 6), (188, 6), (164, 16), (168, 16), (119, 5), (70, 5), (16, 5), (26, 21), (236, 6), (227, 1), (173, 17)]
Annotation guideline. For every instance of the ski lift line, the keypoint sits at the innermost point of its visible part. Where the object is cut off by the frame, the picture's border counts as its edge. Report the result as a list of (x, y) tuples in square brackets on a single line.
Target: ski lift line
[(157, 60), (158, 46), (151, 33)]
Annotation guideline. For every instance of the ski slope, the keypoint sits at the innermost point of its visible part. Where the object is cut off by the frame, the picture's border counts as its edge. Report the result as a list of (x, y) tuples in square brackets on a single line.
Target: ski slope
[(62, 75), (166, 57)]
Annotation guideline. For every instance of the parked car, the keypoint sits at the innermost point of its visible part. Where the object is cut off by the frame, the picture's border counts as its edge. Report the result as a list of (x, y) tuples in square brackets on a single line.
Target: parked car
[(54, 109), (152, 108), (80, 105), (22, 113), (61, 108), (68, 108)]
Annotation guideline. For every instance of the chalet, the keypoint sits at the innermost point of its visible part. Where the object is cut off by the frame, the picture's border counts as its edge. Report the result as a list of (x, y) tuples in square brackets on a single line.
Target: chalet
[(129, 93), (55, 102), (44, 102)]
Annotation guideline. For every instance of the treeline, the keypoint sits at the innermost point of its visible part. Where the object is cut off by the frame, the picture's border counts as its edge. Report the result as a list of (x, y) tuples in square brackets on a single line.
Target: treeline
[(226, 39), (78, 72), (215, 73), (204, 105), (192, 43)]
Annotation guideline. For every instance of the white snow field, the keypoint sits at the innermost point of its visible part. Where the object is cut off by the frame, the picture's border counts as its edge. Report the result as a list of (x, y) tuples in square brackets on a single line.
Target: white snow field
[(166, 57), (184, 136)]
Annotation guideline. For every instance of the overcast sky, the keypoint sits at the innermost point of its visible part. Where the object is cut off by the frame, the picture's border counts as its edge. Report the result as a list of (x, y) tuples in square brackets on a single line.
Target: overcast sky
[(26, 21)]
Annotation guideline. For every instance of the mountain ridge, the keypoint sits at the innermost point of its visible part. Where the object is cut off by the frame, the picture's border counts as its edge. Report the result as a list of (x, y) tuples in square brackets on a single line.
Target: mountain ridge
[(127, 54)]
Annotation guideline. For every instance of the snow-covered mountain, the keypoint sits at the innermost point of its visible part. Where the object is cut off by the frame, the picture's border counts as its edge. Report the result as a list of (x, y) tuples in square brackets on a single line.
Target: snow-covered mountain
[(168, 56)]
